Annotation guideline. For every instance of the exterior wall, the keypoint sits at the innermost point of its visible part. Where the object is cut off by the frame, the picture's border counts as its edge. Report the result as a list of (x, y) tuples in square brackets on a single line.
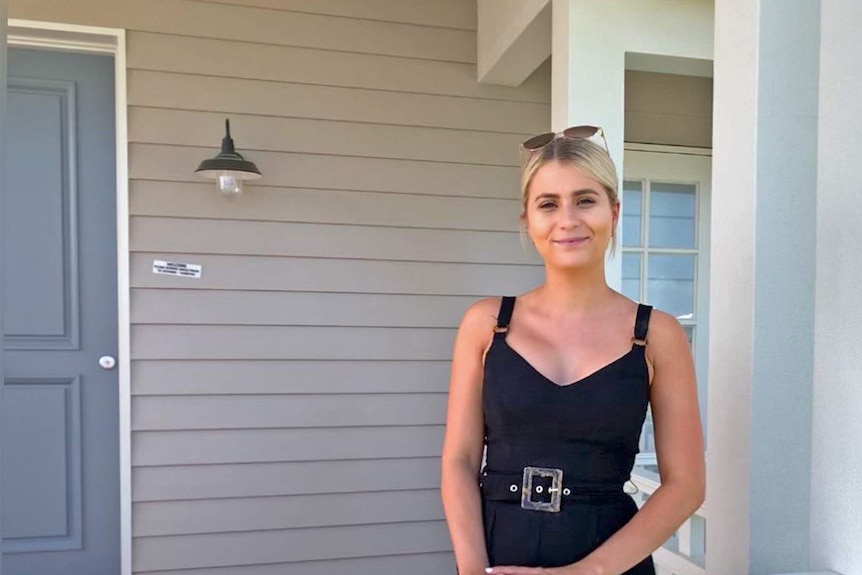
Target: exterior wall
[(288, 406), (836, 515), (668, 109)]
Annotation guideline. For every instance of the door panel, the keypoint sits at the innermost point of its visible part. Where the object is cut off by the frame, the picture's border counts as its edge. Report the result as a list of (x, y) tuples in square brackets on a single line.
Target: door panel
[(45, 468), (41, 195), (60, 445)]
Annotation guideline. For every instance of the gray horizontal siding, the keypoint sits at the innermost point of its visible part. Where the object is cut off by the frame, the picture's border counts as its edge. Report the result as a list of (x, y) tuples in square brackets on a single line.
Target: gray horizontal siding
[(272, 445), (293, 545), (326, 241), (294, 512), (290, 342), (176, 163), (309, 30), (668, 109), (260, 133), (191, 482), (241, 24), (370, 106), (414, 564), (287, 411), (190, 200), (220, 58), (441, 13), (164, 306), (232, 377), (330, 275)]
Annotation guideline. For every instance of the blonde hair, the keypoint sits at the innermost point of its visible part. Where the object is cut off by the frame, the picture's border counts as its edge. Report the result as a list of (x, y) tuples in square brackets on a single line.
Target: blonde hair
[(590, 158)]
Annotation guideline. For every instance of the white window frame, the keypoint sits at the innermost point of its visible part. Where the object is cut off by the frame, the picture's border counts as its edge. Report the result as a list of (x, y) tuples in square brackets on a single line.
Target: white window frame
[(678, 165), (644, 250)]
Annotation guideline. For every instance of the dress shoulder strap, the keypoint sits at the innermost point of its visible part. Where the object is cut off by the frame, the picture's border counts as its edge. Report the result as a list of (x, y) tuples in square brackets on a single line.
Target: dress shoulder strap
[(642, 324), (505, 316)]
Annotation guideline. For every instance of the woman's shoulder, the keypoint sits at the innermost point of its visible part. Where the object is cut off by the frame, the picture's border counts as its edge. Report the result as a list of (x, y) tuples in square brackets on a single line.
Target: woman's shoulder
[(477, 324), (665, 334), (662, 323), (482, 313)]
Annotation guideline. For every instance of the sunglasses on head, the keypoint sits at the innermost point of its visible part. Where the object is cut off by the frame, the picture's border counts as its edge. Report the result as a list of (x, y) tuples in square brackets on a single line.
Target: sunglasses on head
[(573, 133)]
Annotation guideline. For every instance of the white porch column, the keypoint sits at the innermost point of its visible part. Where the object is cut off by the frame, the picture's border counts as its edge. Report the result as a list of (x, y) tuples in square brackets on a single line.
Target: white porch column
[(836, 481), (590, 41), (762, 289), (587, 73)]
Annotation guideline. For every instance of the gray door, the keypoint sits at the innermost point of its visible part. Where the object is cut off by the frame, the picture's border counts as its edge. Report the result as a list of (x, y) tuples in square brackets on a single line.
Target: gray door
[(60, 445)]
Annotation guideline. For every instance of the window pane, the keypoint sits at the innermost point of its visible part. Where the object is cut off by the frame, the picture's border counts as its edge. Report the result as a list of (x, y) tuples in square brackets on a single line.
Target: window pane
[(670, 284), (632, 276), (672, 210), (632, 210)]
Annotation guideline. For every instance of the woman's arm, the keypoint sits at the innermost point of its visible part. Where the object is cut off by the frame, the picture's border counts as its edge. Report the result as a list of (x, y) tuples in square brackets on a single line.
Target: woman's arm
[(464, 442), (679, 449)]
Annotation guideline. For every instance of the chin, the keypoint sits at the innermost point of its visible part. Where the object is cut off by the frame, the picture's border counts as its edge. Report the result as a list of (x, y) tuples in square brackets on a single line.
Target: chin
[(572, 260), (574, 263)]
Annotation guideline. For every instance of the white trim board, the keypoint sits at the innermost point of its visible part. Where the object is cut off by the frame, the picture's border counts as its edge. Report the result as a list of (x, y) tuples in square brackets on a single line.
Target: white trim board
[(52, 36), (89, 39)]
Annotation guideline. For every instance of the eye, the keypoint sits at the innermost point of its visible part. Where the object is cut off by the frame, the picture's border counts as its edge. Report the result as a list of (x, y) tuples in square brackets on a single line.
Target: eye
[(547, 205), (586, 201)]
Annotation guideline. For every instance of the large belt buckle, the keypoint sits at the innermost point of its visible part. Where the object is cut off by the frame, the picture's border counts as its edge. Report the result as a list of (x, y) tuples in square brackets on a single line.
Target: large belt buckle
[(555, 490)]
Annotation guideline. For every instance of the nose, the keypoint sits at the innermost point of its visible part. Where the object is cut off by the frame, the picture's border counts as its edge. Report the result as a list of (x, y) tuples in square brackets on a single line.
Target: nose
[(569, 217)]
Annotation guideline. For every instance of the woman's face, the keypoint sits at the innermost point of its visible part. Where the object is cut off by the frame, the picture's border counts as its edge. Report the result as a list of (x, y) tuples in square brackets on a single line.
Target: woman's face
[(569, 216)]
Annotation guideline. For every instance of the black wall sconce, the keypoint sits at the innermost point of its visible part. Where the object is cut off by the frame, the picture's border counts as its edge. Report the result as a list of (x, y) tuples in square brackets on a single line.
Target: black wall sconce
[(228, 168)]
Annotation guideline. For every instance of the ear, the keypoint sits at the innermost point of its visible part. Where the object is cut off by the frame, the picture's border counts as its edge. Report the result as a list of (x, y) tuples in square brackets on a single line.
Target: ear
[(616, 213)]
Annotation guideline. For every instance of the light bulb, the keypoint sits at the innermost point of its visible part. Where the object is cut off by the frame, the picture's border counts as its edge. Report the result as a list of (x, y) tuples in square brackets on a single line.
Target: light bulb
[(229, 184)]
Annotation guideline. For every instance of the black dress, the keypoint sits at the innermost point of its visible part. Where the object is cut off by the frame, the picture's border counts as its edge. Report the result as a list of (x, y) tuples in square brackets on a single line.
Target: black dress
[(579, 441)]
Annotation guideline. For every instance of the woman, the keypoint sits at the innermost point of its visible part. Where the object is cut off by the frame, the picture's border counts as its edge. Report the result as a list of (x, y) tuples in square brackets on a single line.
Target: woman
[(556, 383)]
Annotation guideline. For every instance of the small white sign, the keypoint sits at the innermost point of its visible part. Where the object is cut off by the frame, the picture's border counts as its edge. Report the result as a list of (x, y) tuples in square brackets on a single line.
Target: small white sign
[(176, 269)]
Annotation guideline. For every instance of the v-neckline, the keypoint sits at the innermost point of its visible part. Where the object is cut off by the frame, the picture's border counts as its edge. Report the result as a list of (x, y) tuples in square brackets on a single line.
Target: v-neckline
[(576, 383)]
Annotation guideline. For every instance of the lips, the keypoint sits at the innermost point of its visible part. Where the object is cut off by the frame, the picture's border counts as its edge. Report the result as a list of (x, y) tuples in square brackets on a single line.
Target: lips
[(571, 241)]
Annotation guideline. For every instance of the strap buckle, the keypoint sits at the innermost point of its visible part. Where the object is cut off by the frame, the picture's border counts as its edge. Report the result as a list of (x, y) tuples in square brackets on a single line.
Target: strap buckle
[(555, 490)]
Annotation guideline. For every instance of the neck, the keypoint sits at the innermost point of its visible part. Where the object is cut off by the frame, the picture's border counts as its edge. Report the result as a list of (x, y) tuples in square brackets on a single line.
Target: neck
[(575, 290)]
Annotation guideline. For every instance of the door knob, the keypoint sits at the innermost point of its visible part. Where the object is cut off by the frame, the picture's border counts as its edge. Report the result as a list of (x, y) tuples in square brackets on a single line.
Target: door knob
[(107, 362)]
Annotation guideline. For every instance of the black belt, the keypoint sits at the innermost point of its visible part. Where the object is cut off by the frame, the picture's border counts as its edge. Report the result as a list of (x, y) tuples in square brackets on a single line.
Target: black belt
[(542, 488)]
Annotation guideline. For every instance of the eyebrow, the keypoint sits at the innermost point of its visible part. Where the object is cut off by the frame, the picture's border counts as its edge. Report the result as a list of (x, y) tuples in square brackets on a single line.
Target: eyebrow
[(552, 196)]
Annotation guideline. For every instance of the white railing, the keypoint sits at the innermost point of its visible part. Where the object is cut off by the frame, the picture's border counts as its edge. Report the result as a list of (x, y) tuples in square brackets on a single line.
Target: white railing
[(685, 552), (646, 443)]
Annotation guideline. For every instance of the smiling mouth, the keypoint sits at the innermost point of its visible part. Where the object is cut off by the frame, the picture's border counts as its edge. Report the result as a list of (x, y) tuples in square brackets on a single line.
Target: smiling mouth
[(571, 241)]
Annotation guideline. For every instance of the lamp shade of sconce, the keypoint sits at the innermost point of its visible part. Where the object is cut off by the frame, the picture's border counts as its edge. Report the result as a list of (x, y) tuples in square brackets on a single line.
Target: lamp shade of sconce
[(228, 168)]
